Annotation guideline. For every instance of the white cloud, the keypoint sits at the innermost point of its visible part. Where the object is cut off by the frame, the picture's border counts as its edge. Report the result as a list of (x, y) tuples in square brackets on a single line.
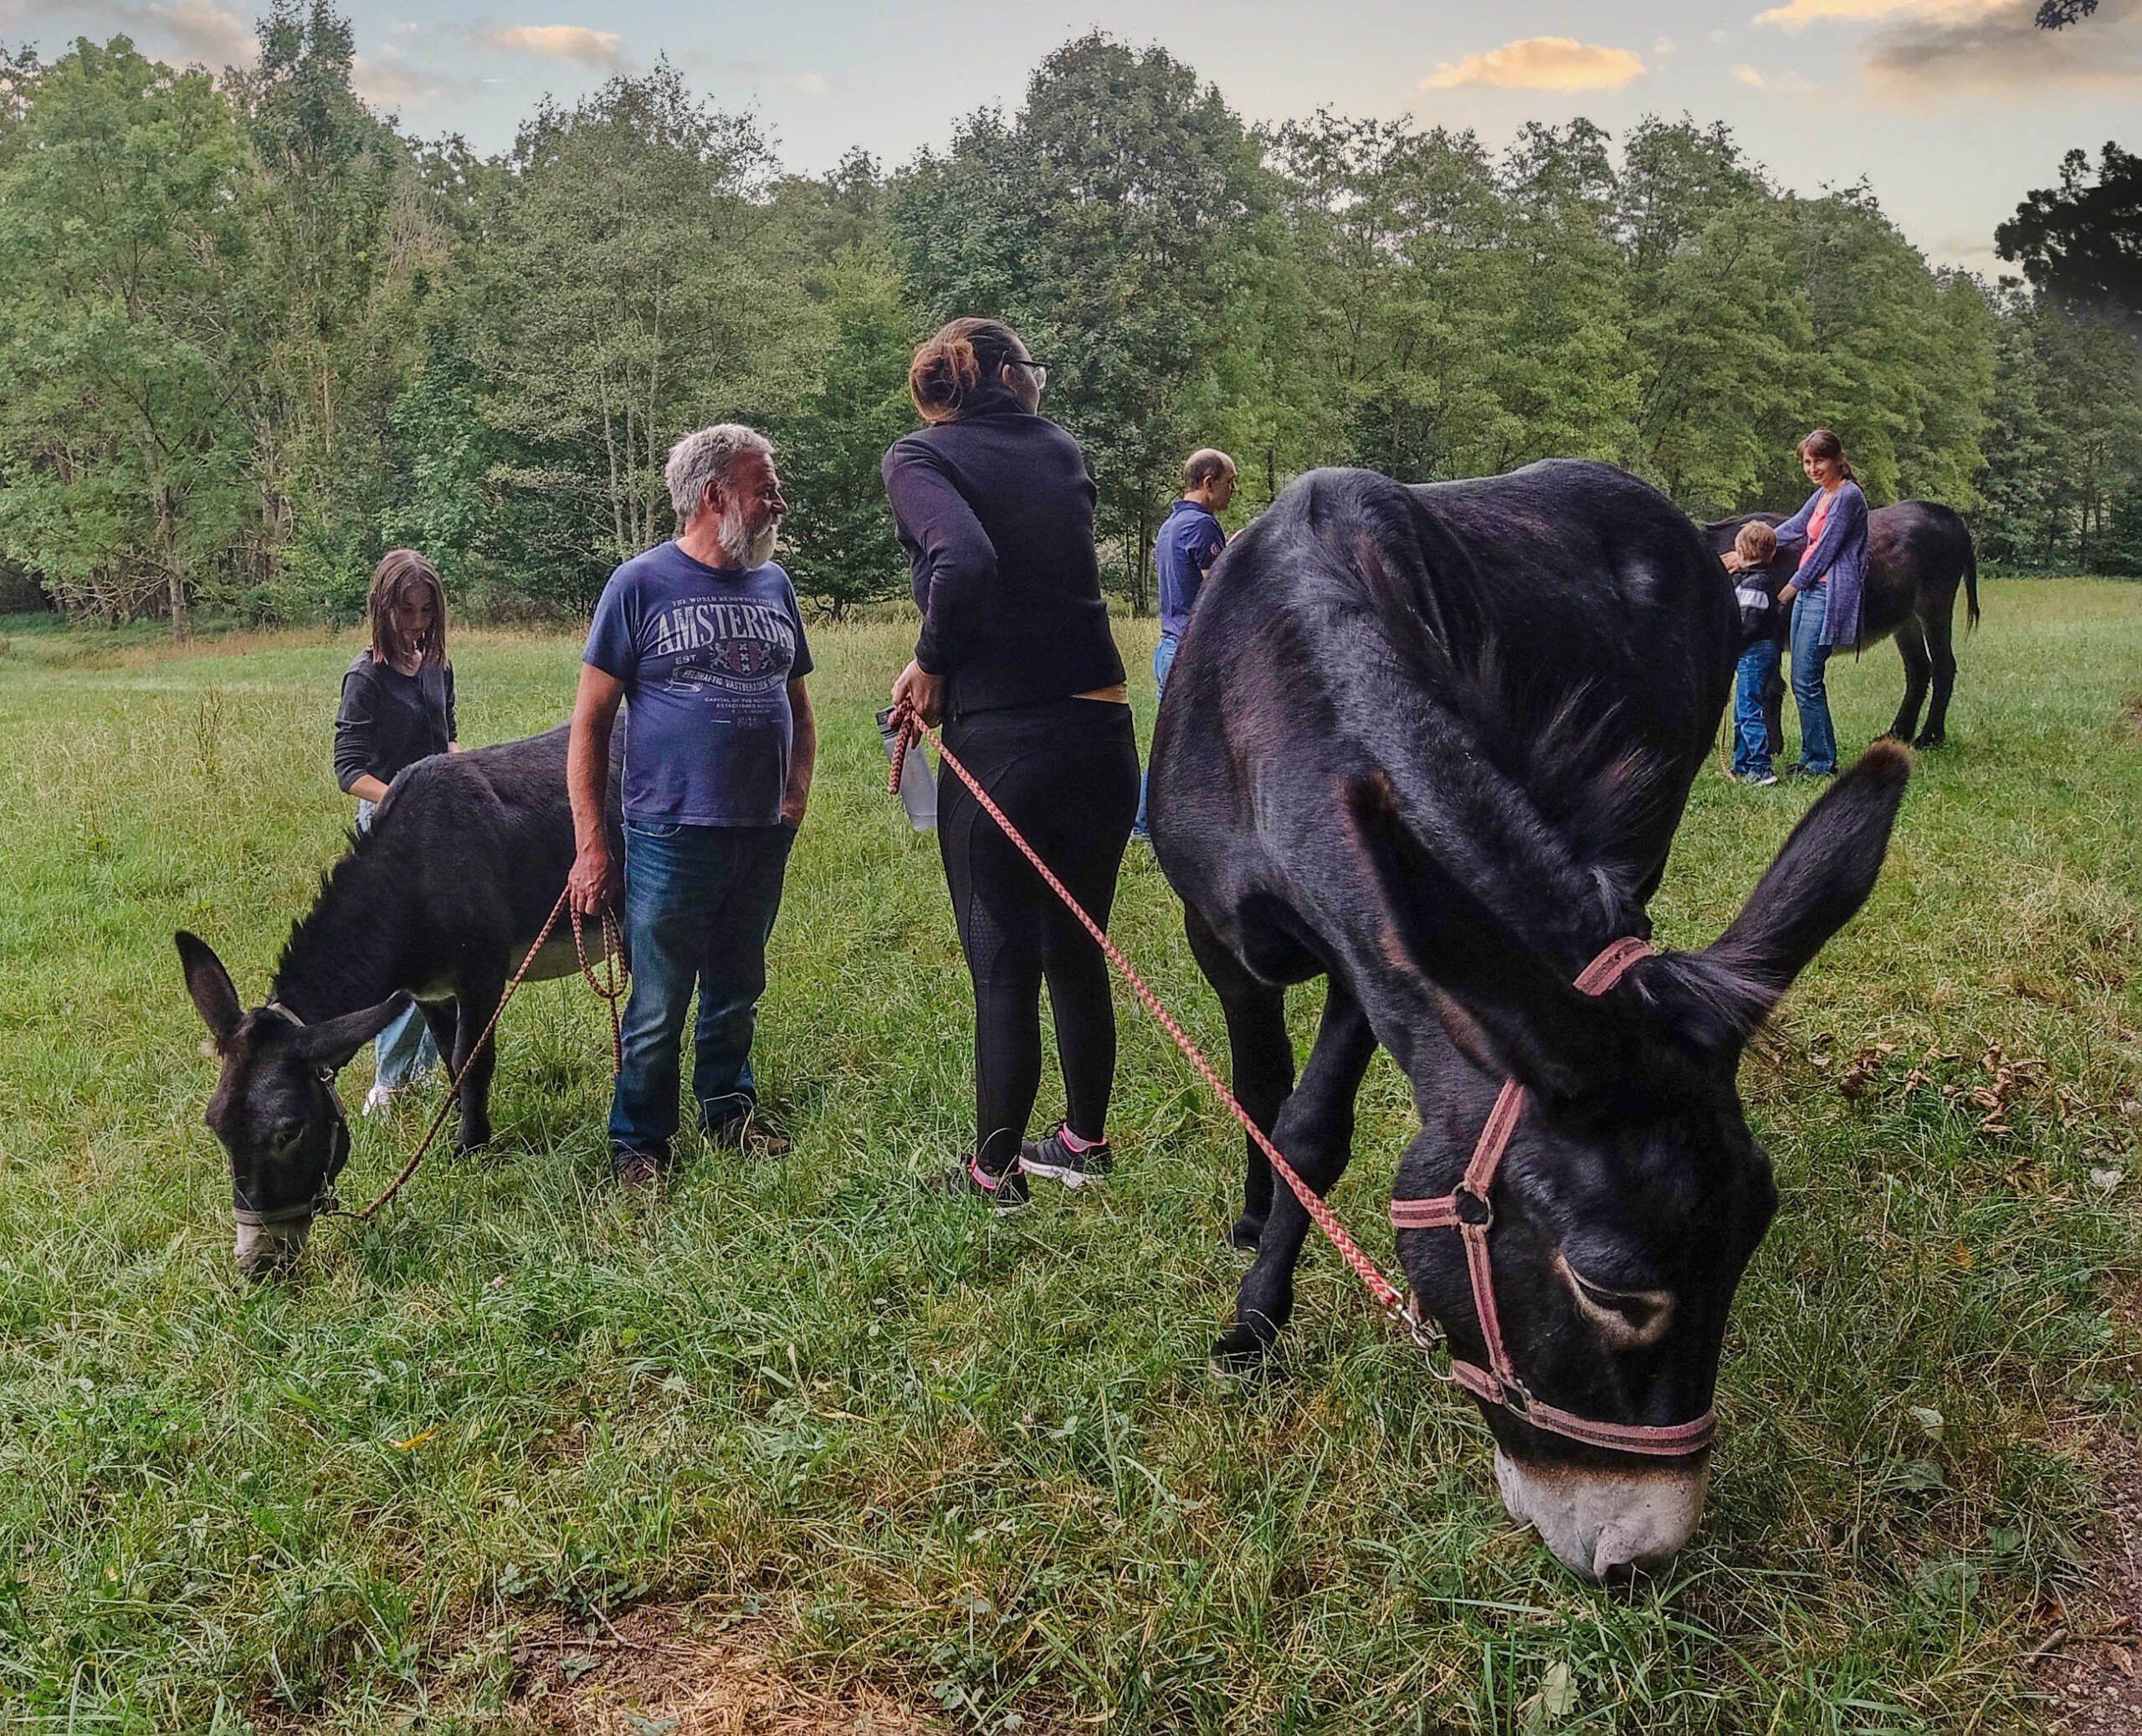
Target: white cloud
[(597, 48), (1662, 47), (1540, 63), (390, 81), (205, 31), (1749, 75), (806, 84), (403, 27), (1798, 14)]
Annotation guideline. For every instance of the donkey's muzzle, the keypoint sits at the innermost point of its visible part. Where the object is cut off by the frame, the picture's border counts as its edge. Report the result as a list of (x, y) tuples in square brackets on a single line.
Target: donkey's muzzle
[(268, 1242), (1602, 1525)]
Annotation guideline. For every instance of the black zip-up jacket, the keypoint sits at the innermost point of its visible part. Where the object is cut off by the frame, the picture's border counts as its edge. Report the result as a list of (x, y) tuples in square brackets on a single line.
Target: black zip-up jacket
[(996, 511)]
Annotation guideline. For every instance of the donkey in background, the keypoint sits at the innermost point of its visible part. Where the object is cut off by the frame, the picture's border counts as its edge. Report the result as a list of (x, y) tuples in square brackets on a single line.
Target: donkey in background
[(439, 901)]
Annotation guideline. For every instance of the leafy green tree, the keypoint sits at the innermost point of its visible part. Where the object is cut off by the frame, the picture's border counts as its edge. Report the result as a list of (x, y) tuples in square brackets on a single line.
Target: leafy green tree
[(1396, 232), (838, 543), (1562, 370), (1720, 322), (125, 215), (343, 239), (1115, 223), (2081, 242), (636, 286)]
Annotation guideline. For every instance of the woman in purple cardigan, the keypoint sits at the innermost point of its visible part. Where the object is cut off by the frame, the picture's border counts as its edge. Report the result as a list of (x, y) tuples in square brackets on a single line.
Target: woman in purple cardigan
[(1825, 592)]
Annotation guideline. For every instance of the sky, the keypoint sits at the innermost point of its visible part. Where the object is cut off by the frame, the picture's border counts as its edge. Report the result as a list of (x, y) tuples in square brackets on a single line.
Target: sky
[(1952, 109)]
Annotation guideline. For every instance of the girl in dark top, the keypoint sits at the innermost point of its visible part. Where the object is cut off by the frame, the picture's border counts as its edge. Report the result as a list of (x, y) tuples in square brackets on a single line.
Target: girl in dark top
[(397, 707), (994, 506)]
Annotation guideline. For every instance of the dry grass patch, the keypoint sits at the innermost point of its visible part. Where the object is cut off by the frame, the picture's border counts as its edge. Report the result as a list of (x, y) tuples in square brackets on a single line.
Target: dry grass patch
[(674, 1670)]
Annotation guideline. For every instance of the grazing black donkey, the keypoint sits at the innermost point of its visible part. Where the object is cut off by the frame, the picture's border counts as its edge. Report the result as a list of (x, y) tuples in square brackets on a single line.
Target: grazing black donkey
[(1432, 743), (1918, 552), (441, 899)]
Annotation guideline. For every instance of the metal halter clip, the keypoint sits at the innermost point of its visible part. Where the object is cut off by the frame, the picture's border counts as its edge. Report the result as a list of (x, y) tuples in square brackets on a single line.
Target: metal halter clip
[(1474, 1209)]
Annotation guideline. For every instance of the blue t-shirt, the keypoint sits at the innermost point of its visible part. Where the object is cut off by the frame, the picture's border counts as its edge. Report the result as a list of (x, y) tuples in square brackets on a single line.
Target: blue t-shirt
[(1189, 543), (705, 654)]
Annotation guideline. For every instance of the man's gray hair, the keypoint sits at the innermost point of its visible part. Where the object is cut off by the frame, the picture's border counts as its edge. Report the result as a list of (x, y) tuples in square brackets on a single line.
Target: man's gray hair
[(708, 455)]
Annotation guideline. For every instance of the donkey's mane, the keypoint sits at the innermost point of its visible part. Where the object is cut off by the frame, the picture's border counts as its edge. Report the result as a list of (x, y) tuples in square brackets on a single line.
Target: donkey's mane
[(1565, 754), (339, 885)]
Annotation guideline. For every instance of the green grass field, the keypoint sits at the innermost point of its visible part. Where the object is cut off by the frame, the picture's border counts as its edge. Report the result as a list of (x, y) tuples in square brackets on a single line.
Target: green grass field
[(984, 1466)]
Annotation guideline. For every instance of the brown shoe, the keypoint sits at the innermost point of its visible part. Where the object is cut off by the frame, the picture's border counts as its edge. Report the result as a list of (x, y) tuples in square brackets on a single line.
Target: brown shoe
[(639, 1172), (751, 1138)]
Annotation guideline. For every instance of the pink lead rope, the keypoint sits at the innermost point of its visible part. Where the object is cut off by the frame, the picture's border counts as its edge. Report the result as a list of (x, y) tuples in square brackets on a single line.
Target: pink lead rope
[(1497, 1383)]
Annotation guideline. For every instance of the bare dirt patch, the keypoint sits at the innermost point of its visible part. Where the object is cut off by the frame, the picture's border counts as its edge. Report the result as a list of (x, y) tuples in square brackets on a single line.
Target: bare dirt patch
[(671, 1670), (2094, 1686)]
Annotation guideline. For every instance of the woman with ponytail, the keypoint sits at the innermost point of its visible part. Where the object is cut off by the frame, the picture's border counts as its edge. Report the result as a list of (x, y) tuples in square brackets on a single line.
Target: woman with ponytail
[(994, 504), (1824, 593)]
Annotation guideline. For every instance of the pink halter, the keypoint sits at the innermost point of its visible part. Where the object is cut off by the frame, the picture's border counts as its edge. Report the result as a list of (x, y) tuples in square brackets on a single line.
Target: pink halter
[(1467, 1209)]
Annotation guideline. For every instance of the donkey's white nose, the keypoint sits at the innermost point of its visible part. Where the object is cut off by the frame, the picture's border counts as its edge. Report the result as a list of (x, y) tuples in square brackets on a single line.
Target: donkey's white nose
[(263, 1249), (1599, 1523)]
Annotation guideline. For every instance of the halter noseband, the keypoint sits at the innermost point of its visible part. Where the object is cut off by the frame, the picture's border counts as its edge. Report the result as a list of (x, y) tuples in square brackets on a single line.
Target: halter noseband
[(1468, 1208)]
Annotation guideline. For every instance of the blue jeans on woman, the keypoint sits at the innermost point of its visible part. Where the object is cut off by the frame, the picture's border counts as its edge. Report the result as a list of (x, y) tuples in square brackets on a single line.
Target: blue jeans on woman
[(1163, 661), (1751, 731), (405, 1047), (699, 905), (1818, 737)]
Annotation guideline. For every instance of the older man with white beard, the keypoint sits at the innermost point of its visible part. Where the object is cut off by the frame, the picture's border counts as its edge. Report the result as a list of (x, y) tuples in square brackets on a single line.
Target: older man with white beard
[(701, 638)]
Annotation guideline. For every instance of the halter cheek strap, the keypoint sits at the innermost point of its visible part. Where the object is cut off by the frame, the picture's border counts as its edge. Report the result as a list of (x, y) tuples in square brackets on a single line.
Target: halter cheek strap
[(1468, 1208)]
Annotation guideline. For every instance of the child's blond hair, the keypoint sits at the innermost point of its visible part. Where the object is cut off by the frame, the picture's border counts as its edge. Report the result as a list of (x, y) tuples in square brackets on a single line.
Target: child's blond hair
[(1755, 543)]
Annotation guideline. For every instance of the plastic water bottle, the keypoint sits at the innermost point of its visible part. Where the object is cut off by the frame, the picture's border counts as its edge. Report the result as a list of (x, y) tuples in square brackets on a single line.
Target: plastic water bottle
[(917, 788)]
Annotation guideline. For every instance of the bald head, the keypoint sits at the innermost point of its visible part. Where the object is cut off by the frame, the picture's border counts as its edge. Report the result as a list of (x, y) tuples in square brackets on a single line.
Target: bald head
[(1208, 478)]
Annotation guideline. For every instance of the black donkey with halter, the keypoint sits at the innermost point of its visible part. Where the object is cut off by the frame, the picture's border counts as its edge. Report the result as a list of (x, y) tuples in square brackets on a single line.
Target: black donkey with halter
[(1433, 744)]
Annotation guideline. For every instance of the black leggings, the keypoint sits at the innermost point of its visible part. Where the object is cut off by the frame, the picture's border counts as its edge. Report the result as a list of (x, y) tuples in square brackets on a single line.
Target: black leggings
[(1066, 772)]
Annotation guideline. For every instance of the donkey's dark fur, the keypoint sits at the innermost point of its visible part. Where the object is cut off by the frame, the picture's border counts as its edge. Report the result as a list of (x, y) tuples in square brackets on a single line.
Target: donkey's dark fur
[(1918, 552), (1432, 743), (440, 900)]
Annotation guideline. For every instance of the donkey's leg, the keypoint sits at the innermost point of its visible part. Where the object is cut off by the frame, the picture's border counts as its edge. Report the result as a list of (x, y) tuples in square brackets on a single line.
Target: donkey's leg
[(1315, 1134), (478, 1000), (440, 1019), (1941, 648), (1911, 645), (1263, 1062)]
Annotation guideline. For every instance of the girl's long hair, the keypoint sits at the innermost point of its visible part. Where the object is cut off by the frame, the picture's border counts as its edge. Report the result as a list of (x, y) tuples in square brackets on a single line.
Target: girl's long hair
[(1821, 444), (401, 572), (954, 366)]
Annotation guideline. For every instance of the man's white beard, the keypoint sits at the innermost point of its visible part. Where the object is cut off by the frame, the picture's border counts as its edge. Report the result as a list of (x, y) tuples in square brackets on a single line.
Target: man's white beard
[(739, 547)]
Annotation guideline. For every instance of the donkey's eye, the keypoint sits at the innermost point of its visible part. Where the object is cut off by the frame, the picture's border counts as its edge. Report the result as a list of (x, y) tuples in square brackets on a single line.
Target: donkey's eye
[(1626, 1319)]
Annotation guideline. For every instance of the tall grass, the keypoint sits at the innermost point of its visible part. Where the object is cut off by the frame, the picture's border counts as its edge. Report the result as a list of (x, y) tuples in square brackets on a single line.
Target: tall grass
[(986, 1463)]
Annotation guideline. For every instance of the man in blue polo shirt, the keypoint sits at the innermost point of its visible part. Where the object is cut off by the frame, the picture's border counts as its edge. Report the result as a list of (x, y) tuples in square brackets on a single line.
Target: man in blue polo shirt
[(702, 639), (1183, 553)]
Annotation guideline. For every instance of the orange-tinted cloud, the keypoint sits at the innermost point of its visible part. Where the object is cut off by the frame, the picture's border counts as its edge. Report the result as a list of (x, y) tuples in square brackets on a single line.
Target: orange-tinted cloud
[(1540, 63)]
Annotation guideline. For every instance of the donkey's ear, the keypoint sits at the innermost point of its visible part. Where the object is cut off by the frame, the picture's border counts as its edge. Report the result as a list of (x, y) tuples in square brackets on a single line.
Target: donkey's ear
[(334, 1041), (1717, 998), (1500, 1001), (214, 997)]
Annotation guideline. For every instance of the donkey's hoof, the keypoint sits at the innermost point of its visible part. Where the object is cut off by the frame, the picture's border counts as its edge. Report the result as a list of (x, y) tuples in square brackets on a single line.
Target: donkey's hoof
[(1240, 1349), (1247, 1233), (1932, 739)]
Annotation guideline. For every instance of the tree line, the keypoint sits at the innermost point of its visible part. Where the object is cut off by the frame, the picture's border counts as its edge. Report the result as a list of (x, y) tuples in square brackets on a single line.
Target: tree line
[(254, 332)]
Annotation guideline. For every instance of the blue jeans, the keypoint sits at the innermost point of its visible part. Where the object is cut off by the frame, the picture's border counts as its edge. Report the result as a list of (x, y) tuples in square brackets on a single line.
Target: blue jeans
[(1818, 737), (1163, 660), (699, 905), (1751, 735), (405, 1047)]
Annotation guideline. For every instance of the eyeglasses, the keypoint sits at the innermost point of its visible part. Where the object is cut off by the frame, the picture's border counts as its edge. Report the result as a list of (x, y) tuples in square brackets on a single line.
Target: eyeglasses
[(1040, 368)]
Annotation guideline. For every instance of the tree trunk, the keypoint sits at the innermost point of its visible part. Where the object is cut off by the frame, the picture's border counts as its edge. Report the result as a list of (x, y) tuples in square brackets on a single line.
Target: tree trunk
[(180, 625)]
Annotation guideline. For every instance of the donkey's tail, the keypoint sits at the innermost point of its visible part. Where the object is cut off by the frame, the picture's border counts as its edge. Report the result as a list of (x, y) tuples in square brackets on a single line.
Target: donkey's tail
[(1970, 580)]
